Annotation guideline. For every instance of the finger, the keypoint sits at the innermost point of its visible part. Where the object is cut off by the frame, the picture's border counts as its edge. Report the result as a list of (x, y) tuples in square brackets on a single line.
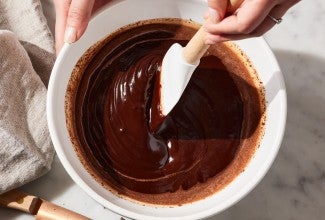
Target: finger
[(206, 15), (61, 11), (267, 24), (277, 12), (77, 20), (233, 5), (249, 16), (217, 9), (212, 39)]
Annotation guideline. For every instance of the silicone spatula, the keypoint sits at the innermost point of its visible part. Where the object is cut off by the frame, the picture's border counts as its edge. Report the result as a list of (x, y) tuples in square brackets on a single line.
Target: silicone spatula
[(179, 64)]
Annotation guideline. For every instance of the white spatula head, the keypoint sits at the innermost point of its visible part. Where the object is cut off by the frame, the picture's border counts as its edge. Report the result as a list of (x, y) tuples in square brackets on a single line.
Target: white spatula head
[(174, 77)]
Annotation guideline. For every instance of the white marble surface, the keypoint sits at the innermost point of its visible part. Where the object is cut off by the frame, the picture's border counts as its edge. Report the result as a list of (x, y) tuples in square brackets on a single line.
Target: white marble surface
[(294, 188)]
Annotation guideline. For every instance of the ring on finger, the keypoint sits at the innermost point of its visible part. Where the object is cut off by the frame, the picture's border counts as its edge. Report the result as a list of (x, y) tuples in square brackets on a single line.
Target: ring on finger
[(276, 20)]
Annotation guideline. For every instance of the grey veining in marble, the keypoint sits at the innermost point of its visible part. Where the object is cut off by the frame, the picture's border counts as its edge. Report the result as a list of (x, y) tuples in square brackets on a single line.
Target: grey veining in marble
[(294, 188)]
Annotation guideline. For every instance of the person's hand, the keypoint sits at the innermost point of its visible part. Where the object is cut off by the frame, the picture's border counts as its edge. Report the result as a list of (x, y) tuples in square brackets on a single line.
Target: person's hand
[(72, 17), (251, 18)]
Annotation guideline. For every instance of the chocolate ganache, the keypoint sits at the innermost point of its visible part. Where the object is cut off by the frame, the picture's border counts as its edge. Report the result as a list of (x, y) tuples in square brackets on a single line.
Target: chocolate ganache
[(113, 110)]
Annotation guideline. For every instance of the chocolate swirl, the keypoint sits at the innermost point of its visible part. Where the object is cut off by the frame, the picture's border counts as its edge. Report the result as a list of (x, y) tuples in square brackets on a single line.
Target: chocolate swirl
[(113, 107)]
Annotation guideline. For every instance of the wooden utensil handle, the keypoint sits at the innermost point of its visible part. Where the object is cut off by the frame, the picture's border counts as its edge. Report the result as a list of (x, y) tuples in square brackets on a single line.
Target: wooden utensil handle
[(196, 47), (16, 199), (51, 211), (19, 200)]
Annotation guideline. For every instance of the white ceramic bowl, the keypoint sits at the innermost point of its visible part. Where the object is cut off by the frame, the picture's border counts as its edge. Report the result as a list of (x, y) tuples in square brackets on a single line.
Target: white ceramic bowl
[(124, 12)]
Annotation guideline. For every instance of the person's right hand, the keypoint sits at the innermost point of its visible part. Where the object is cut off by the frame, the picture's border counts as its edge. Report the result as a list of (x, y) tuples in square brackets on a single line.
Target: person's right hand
[(252, 18)]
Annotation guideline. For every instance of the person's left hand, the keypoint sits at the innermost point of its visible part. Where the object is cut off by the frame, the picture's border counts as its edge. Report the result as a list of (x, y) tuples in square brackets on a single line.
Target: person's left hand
[(72, 17)]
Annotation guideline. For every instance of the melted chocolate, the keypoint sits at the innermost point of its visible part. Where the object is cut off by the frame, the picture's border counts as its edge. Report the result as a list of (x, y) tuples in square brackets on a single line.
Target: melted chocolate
[(114, 107)]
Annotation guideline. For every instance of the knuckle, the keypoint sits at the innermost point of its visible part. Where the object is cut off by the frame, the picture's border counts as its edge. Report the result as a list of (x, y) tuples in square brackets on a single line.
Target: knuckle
[(66, 4), (75, 15)]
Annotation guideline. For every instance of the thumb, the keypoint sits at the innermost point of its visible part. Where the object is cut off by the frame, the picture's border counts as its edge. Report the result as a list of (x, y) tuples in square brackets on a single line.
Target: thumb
[(217, 9), (77, 20)]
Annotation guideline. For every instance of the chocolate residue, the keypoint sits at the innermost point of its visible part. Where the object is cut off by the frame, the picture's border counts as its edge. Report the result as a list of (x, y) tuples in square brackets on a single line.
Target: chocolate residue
[(203, 144)]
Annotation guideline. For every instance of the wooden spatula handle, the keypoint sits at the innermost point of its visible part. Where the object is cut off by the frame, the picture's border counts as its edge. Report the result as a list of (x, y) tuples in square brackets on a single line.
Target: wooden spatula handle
[(16, 199), (50, 211), (19, 200), (196, 47)]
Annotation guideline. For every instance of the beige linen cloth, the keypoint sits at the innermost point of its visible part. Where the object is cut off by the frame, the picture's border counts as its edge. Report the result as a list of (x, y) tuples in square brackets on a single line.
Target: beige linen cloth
[(26, 59)]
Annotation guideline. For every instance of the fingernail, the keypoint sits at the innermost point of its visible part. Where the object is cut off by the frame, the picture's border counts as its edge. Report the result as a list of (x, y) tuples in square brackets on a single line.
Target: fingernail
[(214, 15), (70, 35)]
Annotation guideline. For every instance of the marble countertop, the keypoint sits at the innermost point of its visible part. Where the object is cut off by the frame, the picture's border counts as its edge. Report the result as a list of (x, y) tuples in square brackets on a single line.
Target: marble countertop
[(294, 188)]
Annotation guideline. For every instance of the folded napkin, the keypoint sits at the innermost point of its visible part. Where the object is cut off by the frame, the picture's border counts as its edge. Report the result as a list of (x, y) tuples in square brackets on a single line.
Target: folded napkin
[(26, 59)]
